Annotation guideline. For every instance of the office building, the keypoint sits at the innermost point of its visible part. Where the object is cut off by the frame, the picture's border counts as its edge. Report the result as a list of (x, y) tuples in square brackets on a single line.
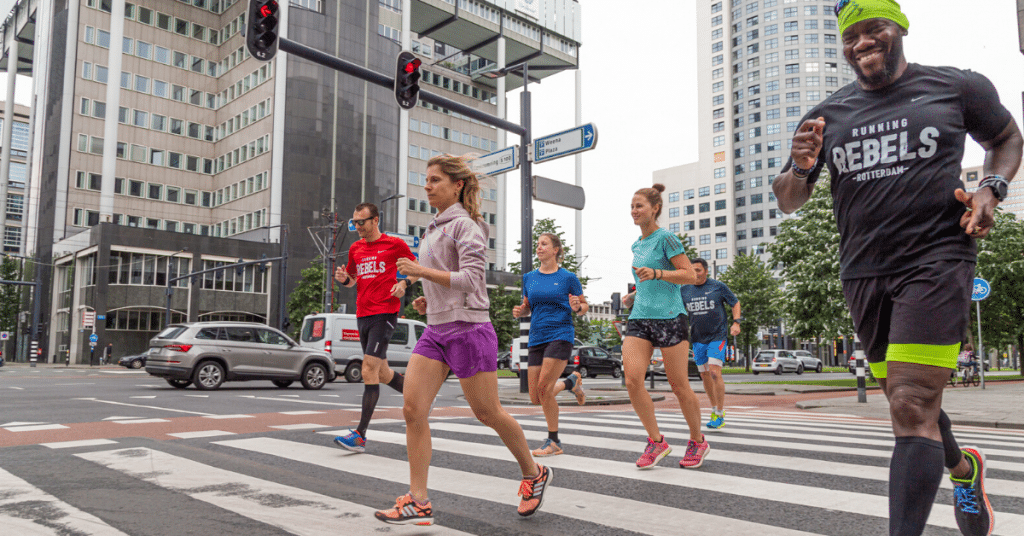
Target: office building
[(779, 58), (14, 214)]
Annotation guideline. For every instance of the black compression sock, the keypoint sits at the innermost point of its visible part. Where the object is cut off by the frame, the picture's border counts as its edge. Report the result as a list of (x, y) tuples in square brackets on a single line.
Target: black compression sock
[(949, 444), (370, 395), (914, 475), (553, 436), (397, 382), (569, 383)]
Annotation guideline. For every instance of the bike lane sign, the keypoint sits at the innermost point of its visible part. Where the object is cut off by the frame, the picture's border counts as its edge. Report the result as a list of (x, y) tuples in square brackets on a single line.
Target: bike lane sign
[(981, 289)]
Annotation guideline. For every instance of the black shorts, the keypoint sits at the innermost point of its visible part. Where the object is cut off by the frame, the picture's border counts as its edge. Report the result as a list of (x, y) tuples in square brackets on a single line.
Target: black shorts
[(662, 333), (553, 349), (375, 333), (928, 304)]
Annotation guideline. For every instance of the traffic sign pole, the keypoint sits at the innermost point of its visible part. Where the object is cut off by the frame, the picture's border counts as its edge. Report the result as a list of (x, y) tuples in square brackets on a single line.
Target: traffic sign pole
[(980, 291)]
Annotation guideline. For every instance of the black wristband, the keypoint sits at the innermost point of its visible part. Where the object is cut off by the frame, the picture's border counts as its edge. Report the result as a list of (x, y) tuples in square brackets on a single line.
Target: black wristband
[(800, 172), (345, 282)]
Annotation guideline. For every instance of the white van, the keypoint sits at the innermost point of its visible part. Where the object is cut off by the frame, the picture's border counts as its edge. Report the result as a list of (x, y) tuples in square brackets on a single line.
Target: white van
[(338, 335)]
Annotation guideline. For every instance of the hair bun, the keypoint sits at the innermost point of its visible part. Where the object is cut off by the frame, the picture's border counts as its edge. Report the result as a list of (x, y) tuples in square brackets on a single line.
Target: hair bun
[(659, 187)]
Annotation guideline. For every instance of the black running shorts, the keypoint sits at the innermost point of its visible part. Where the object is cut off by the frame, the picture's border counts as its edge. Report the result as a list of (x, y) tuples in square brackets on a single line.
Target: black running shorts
[(552, 349), (661, 333), (375, 333), (929, 304)]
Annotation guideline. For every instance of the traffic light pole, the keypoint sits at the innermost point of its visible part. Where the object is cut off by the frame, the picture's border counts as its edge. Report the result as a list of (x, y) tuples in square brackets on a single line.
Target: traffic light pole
[(523, 130), (373, 77)]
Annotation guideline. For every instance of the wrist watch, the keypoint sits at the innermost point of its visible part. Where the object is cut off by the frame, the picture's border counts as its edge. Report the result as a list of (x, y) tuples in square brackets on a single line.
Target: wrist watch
[(998, 184), (738, 319)]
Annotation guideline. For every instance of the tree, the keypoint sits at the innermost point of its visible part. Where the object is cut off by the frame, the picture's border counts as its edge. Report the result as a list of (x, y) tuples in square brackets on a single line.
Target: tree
[(807, 248), (502, 302), (751, 280), (1001, 263), (603, 333), (10, 303), (690, 250), (308, 296)]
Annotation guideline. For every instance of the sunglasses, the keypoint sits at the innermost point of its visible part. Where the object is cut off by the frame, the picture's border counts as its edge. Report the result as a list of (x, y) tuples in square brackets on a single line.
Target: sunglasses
[(360, 222), (840, 5)]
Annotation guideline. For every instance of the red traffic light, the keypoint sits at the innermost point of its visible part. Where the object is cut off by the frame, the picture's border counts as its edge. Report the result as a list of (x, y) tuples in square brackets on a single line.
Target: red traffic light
[(268, 9), (413, 65)]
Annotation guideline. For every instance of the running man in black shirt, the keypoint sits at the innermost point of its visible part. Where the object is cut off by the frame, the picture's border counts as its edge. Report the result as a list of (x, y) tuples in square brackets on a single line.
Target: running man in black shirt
[(893, 142)]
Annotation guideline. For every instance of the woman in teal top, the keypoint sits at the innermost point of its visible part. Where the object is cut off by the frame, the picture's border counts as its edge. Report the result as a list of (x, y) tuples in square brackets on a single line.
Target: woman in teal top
[(658, 320)]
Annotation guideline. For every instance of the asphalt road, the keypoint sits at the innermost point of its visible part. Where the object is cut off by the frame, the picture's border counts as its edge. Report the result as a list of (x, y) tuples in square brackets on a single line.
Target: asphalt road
[(113, 452)]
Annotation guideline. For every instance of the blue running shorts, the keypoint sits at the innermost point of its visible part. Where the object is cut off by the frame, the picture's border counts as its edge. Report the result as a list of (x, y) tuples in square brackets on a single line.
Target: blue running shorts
[(712, 353)]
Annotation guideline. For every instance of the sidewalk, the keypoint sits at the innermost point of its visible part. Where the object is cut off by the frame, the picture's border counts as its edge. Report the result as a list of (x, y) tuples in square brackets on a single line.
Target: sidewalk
[(996, 406)]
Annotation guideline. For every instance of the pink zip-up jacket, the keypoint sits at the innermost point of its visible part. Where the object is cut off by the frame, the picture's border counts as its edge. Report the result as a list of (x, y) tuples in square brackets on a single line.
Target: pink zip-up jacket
[(456, 243)]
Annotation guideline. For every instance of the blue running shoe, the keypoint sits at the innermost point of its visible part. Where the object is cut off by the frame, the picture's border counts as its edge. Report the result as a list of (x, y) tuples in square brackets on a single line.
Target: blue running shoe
[(352, 441), (716, 422), (973, 511)]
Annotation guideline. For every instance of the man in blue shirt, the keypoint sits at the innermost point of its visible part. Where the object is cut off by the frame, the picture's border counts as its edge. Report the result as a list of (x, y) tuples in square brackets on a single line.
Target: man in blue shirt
[(705, 303)]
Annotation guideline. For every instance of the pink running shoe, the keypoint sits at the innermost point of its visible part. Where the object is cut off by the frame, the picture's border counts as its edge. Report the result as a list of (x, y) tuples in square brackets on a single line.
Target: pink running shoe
[(695, 453), (653, 453)]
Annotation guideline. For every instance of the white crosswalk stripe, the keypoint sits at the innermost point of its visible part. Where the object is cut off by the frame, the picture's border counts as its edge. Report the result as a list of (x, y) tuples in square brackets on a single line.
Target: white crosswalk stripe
[(742, 469)]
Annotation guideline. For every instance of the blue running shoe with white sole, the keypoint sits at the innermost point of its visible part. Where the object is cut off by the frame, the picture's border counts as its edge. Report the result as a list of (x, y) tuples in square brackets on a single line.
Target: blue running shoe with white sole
[(351, 441)]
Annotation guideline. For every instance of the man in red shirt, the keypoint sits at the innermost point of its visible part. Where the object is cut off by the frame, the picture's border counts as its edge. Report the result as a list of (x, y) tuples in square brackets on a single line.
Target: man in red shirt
[(371, 267)]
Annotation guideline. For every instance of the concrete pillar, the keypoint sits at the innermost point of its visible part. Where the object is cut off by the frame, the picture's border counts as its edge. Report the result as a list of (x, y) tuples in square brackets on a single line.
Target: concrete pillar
[(5, 155), (502, 223), (114, 61)]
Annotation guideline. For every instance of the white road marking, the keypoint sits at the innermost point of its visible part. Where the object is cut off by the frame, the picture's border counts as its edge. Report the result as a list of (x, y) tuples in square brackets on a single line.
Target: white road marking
[(35, 428), (200, 433), (53, 519), (291, 509), (227, 416), (82, 443), (141, 406), (613, 512)]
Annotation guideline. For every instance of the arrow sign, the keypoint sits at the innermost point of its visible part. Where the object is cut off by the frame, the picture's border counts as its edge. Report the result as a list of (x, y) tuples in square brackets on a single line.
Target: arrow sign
[(498, 162), (576, 140), (981, 289)]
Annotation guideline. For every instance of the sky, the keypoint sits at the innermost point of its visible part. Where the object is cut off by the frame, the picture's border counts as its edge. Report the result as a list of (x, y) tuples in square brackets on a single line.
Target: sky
[(639, 88)]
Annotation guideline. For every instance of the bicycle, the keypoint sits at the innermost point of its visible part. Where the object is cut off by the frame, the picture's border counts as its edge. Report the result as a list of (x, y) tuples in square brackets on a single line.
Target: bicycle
[(970, 376)]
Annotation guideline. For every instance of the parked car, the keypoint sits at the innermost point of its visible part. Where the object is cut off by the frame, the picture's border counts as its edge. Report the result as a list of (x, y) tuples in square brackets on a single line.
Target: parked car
[(777, 361), (658, 361), (338, 335), (505, 360), (136, 361), (206, 354), (590, 361), (810, 362)]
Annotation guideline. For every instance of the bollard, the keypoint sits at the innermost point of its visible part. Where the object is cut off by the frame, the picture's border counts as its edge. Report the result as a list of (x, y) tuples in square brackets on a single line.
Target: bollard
[(522, 344), (858, 353)]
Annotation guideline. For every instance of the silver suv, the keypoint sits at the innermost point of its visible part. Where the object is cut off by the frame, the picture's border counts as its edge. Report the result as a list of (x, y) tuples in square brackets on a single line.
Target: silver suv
[(209, 353)]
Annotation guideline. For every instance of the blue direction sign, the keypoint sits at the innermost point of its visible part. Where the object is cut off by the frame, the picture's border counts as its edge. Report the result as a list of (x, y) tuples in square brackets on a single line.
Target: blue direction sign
[(414, 245), (576, 140), (94, 338), (498, 162), (981, 289)]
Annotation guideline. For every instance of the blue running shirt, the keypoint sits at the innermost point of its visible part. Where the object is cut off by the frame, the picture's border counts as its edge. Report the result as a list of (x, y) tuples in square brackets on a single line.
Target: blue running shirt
[(656, 299), (550, 313), (706, 304)]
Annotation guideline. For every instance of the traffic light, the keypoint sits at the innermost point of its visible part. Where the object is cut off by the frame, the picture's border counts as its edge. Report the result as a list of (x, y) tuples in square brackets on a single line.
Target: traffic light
[(407, 80), (240, 269), (630, 288), (616, 302), (262, 266), (261, 37)]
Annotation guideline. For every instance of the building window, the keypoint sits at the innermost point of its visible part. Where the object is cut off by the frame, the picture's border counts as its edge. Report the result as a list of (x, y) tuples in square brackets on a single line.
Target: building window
[(704, 191), (673, 197)]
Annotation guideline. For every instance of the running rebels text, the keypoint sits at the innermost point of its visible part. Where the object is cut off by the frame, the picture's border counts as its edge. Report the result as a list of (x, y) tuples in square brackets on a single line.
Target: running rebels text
[(891, 145)]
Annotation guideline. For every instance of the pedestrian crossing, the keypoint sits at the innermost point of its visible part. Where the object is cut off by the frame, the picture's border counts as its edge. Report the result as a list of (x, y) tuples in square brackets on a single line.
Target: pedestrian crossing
[(767, 473)]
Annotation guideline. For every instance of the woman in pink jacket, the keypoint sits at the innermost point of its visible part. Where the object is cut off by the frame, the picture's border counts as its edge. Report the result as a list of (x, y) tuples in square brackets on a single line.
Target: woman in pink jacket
[(459, 337)]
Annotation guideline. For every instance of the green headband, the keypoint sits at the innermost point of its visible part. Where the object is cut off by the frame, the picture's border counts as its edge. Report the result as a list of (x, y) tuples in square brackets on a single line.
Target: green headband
[(853, 11)]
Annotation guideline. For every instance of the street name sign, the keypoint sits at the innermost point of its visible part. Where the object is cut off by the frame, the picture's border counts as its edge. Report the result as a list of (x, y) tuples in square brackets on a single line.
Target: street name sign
[(88, 319), (981, 289), (572, 141), (497, 162), (558, 193)]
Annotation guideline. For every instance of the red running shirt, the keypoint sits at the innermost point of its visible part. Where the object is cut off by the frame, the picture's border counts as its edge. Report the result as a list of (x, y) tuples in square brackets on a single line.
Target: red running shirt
[(372, 264)]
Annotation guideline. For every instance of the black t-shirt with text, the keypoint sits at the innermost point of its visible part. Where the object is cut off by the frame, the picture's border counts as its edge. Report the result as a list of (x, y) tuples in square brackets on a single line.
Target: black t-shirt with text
[(894, 156)]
